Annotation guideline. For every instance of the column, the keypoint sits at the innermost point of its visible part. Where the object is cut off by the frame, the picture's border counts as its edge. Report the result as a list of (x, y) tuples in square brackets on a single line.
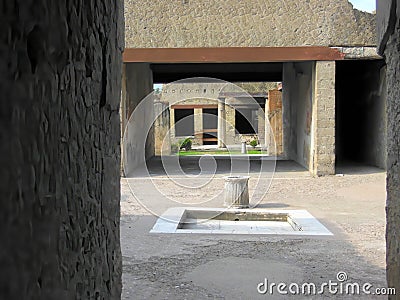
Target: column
[(172, 124), (274, 127), (161, 128), (198, 126), (221, 123), (323, 120), (261, 126)]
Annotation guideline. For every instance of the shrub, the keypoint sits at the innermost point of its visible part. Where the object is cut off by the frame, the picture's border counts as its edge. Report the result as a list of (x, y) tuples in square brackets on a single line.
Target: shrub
[(253, 143), (186, 144)]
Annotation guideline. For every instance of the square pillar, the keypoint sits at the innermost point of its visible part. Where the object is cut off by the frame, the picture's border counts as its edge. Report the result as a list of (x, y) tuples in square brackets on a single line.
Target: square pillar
[(323, 120), (198, 126), (172, 124), (261, 126), (221, 124), (161, 128), (274, 127), (230, 129)]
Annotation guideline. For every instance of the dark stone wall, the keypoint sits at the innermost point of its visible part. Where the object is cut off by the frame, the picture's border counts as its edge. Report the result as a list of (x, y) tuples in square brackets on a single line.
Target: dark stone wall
[(60, 71), (389, 45)]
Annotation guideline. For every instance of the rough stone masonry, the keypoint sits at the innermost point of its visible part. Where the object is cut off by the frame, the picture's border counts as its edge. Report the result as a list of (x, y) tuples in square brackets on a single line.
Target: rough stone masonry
[(389, 46), (256, 23), (60, 74)]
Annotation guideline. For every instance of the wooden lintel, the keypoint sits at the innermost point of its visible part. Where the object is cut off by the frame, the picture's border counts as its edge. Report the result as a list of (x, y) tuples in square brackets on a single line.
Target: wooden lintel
[(193, 106), (231, 55)]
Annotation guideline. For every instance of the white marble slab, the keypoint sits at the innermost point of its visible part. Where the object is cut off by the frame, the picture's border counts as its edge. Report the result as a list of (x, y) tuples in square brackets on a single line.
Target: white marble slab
[(303, 223)]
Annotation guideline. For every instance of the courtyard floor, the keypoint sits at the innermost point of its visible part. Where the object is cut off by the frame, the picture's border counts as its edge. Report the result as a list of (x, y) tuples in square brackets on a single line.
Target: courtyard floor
[(201, 266)]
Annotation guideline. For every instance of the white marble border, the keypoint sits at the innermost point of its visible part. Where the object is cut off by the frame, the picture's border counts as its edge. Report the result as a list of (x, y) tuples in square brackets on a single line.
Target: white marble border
[(169, 221)]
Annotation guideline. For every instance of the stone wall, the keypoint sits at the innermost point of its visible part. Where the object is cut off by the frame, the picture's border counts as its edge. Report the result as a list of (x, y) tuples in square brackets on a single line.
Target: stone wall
[(309, 115), (298, 98), (270, 23), (389, 42), (60, 131), (138, 142)]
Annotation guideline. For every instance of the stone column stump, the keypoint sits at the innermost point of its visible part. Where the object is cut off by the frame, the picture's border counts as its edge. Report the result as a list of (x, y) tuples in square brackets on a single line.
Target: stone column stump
[(236, 191), (244, 148)]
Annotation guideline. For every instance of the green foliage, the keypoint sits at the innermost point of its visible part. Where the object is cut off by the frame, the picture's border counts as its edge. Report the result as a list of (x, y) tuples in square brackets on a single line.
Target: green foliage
[(186, 144), (253, 143)]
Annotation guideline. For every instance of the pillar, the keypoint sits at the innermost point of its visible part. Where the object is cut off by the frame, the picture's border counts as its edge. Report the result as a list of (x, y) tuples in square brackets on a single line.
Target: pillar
[(230, 125), (161, 128), (261, 126), (323, 120), (221, 124), (273, 128), (198, 126), (172, 124)]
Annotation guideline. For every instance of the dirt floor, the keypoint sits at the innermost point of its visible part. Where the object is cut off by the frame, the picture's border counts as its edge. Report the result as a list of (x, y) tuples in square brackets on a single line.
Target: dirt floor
[(198, 266)]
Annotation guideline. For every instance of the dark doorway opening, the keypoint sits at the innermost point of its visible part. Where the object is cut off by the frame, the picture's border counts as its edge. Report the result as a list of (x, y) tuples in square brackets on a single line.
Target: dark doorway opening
[(210, 126), (360, 112), (246, 121), (184, 122)]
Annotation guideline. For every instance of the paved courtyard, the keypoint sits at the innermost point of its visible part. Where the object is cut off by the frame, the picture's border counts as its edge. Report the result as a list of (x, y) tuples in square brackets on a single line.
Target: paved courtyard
[(199, 266)]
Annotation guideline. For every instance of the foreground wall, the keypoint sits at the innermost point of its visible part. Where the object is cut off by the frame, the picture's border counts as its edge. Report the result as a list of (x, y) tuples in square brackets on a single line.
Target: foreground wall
[(59, 178), (389, 45), (256, 23)]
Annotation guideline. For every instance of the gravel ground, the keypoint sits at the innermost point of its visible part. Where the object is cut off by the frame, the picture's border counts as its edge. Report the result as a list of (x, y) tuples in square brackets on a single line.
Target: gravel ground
[(196, 266)]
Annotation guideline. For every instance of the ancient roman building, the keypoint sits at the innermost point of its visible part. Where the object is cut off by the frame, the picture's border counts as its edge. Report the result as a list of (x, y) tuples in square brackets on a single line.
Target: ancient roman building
[(324, 52), (61, 67), (199, 115)]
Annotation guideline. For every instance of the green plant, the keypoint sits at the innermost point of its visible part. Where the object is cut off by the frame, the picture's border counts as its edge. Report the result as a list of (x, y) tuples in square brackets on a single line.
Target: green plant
[(253, 143), (186, 144)]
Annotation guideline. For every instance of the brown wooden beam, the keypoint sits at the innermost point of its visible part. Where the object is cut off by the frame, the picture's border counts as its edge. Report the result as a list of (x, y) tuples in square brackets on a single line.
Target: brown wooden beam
[(193, 106), (230, 55)]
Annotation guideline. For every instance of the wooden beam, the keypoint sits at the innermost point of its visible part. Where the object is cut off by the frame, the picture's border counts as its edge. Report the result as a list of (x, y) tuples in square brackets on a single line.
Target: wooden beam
[(230, 55), (193, 106)]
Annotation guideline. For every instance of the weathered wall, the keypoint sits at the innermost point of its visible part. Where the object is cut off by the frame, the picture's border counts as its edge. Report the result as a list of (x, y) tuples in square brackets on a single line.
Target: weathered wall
[(60, 131), (389, 41), (298, 107), (273, 23), (138, 144), (361, 112)]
